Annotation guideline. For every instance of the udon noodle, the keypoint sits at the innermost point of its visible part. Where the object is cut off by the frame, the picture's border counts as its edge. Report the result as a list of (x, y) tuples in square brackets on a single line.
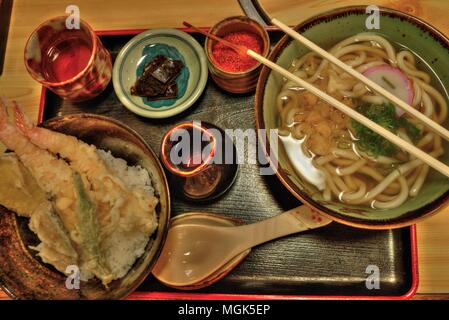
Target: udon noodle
[(353, 173)]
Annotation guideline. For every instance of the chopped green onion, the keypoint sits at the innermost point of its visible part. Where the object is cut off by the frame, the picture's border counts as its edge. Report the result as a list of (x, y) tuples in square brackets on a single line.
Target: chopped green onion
[(385, 115)]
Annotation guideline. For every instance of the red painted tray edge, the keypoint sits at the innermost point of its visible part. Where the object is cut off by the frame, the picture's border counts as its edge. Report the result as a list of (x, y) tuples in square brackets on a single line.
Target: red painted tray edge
[(215, 296)]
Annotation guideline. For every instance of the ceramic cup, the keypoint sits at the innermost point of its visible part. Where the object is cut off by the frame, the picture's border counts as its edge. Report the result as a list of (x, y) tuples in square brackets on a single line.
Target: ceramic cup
[(72, 63), (201, 160), (242, 81)]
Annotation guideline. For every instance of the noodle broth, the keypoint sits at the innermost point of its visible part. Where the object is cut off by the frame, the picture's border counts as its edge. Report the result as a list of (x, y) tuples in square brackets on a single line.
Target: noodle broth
[(362, 176)]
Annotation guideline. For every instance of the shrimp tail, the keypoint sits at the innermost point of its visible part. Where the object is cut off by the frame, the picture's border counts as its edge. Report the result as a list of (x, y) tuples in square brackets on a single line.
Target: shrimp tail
[(3, 114), (21, 120)]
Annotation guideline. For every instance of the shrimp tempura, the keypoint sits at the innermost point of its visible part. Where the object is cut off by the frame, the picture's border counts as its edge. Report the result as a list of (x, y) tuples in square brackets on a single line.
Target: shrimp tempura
[(116, 204), (65, 188)]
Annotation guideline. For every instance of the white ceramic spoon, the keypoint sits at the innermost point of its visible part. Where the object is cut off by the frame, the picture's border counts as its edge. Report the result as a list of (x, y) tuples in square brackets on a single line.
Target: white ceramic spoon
[(193, 252), (212, 220)]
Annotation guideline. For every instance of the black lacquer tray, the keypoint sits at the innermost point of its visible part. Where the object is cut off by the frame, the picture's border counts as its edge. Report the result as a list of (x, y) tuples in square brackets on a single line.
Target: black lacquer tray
[(331, 262)]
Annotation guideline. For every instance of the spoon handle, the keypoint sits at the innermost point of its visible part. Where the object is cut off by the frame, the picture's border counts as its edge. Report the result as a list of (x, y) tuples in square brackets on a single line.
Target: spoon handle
[(293, 221)]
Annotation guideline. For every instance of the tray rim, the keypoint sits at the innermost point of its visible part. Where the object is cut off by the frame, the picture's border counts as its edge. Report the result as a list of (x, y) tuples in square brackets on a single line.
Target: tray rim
[(187, 295)]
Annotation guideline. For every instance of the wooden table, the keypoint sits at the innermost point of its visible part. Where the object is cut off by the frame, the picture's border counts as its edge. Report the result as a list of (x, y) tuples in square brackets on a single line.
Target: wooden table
[(15, 83)]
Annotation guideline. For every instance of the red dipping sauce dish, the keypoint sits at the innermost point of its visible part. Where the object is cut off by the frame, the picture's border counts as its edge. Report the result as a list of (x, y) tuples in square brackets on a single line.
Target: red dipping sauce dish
[(230, 70)]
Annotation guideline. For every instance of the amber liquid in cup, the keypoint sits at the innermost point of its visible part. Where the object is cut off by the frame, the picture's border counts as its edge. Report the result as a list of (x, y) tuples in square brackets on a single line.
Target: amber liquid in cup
[(65, 59), (73, 63)]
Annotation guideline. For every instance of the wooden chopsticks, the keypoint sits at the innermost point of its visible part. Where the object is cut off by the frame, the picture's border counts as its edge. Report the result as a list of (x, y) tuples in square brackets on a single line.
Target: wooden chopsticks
[(418, 153), (434, 163), (443, 132), (238, 48)]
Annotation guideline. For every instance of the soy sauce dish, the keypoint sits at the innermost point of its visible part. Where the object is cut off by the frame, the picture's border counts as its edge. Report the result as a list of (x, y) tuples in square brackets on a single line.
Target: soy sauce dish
[(160, 73), (336, 165)]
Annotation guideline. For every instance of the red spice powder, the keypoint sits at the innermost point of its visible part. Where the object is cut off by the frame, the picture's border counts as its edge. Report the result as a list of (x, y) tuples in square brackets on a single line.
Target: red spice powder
[(228, 59)]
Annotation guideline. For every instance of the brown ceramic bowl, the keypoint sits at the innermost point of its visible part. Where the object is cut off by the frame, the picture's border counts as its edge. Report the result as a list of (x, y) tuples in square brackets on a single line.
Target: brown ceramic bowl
[(24, 276), (327, 29), (236, 82)]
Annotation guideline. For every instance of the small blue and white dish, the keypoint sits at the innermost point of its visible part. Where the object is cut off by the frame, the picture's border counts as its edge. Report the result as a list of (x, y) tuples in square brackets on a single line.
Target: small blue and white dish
[(141, 49)]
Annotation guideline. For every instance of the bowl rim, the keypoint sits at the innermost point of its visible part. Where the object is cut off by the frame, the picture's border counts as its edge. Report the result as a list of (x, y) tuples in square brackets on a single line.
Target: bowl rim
[(171, 111), (411, 217)]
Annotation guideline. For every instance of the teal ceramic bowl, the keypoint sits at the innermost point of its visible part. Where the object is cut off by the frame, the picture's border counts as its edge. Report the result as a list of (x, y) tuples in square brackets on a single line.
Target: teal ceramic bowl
[(431, 47), (141, 49)]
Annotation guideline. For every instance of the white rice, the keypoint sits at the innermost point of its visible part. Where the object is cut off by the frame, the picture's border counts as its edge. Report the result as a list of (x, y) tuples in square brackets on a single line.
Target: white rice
[(134, 176), (122, 249)]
